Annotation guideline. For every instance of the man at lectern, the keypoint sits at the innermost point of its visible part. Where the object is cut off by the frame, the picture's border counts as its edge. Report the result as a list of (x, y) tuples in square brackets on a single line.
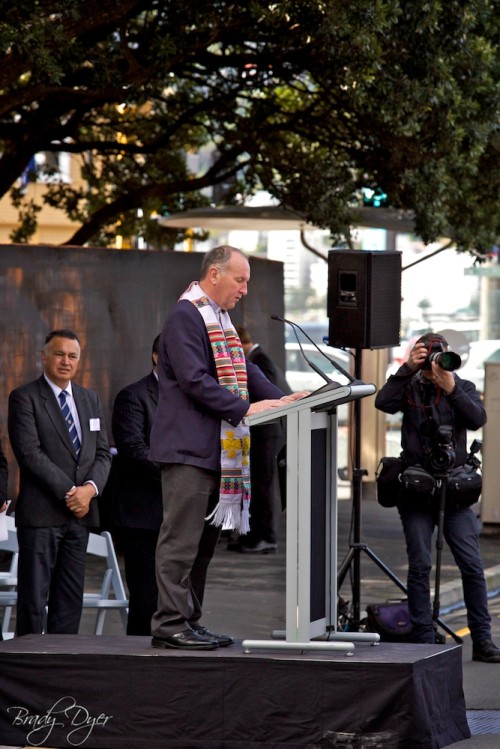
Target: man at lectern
[(438, 408), (201, 440)]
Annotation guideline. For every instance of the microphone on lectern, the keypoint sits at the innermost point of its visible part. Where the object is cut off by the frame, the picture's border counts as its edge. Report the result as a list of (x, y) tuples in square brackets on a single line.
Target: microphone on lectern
[(311, 364)]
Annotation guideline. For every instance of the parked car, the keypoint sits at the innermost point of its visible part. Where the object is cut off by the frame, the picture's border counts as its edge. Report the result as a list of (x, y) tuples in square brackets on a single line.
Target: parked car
[(317, 331), (473, 369), (301, 376)]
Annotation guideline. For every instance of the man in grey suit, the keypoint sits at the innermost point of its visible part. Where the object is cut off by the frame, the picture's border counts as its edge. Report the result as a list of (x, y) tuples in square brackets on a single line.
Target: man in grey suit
[(138, 509), (58, 436)]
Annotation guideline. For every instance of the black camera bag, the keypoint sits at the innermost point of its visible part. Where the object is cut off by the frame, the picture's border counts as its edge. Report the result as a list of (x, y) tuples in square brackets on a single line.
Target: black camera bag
[(388, 481), (464, 486), (417, 481)]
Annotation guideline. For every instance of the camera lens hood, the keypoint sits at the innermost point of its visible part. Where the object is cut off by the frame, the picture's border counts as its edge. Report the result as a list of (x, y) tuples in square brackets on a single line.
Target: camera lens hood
[(447, 360)]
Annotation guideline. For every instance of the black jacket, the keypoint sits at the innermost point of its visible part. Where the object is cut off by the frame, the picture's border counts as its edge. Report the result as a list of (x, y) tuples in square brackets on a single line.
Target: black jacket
[(49, 466), (136, 480), (425, 407)]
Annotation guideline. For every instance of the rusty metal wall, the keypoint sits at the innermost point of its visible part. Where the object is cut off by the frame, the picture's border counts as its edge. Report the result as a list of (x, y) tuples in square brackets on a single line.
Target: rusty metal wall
[(116, 301)]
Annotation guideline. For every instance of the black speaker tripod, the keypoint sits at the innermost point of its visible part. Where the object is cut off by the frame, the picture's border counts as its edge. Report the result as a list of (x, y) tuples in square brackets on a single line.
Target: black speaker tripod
[(352, 560)]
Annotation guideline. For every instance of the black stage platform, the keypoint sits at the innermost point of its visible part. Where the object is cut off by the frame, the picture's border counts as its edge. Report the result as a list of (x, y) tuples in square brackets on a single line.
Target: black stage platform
[(117, 692)]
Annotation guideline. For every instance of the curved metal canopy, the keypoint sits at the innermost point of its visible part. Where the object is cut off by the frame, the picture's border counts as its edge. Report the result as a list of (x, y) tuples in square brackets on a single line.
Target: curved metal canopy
[(270, 217)]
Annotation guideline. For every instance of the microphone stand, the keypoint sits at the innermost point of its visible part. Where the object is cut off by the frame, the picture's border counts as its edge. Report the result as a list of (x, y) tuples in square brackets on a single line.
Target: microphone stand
[(329, 383), (353, 556)]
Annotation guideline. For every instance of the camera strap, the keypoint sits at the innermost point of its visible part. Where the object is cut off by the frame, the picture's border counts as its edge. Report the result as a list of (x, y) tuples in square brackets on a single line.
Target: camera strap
[(431, 395), (430, 421), (424, 389)]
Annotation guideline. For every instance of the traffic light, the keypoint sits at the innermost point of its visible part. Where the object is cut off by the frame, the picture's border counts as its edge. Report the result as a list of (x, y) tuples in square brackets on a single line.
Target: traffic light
[(374, 198)]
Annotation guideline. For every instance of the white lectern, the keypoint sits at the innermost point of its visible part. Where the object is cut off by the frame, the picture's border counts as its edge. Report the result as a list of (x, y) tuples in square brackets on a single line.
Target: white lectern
[(311, 519)]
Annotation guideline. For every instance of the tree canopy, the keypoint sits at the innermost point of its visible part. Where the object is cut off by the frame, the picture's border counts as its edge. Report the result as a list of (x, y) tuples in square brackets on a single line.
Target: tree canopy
[(312, 100)]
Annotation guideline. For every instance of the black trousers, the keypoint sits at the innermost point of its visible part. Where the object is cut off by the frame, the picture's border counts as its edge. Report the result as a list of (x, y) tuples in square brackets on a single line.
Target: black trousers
[(264, 507), (139, 550), (51, 574)]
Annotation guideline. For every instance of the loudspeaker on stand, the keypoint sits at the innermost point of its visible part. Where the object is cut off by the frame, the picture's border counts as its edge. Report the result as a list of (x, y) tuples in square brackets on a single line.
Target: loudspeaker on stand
[(364, 298)]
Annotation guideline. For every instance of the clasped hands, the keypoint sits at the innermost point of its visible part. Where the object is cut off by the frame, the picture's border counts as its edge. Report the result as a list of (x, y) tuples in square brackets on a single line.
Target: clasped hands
[(78, 499)]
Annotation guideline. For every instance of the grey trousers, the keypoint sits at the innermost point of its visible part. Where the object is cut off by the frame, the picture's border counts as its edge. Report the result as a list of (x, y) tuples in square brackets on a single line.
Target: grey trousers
[(186, 545)]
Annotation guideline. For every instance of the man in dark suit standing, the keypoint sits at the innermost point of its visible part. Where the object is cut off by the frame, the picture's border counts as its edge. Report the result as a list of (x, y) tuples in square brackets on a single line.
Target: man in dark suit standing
[(58, 436), (138, 506), (265, 443)]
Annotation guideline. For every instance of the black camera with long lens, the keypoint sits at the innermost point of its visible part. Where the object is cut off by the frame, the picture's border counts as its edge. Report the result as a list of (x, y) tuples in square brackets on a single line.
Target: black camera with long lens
[(442, 455), (448, 360)]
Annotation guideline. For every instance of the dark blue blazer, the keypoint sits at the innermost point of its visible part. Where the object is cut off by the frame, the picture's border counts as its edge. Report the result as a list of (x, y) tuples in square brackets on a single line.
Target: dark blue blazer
[(137, 481), (49, 466), (191, 402)]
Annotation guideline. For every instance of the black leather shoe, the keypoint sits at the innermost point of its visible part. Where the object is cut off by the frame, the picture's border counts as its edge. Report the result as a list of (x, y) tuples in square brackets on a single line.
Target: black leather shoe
[(485, 651), (188, 639), (222, 640)]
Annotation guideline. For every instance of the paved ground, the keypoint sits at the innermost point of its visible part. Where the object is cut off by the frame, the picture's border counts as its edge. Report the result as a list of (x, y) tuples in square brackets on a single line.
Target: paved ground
[(246, 597)]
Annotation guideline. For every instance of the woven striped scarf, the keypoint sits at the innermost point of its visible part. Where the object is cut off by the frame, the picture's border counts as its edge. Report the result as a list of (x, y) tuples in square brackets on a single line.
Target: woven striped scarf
[(233, 509)]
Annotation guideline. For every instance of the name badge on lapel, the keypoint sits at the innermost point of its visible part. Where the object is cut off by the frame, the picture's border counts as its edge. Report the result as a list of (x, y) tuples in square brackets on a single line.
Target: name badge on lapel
[(95, 425)]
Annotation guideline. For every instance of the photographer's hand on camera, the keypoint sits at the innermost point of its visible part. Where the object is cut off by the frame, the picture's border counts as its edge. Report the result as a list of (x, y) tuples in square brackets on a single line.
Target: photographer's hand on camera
[(440, 377), (417, 356), (432, 371)]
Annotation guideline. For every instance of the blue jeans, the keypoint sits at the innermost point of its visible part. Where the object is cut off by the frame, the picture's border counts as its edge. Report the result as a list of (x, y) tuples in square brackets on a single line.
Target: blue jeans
[(461, 533)]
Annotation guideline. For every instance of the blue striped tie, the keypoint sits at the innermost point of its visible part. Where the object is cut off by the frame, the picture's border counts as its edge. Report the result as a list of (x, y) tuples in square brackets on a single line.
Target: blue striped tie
[(69, 421)]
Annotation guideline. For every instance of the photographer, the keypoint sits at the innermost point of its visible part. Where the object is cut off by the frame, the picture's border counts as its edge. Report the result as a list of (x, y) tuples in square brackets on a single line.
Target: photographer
[(438, 408)]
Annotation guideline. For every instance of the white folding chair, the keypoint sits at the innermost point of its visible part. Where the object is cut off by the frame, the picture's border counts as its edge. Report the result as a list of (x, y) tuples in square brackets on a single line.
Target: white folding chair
[(112, 594), (8, 578)]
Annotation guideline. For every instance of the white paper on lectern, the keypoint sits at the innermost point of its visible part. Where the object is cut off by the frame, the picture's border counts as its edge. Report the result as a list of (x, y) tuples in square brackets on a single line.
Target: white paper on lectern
[(4, 533)]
